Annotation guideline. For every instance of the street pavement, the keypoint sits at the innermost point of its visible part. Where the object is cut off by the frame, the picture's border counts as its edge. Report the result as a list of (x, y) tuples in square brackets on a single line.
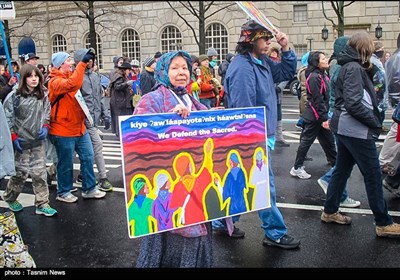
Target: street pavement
[(93, 233)]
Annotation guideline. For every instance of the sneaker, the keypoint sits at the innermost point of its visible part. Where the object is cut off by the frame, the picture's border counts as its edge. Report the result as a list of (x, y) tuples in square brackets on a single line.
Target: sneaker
[(95, 193), (69, 198), (285, 242), (79, 179), (392, 230), (323, 184), (15, 206), (300, 172), (336, 218), (350, 203), (105, 185), (282, 143), (237, 233), (390, 188), (74, 189), (46, 210)]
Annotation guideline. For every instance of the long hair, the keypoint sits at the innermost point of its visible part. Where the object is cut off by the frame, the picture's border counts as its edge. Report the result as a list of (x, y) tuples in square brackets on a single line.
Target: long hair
[(26, 72), (363, 44), (242, 48)]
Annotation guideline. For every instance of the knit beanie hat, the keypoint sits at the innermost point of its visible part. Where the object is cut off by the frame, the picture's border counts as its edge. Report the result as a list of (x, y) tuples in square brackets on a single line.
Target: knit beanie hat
[(57, 59), (211, 52), (203, 57), (157, 55), (149, 61)]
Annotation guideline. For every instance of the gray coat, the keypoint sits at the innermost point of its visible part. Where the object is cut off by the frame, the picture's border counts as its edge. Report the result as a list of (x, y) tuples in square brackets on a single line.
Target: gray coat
[(26, 116), (356, 108), (92, 91), (7, 164)]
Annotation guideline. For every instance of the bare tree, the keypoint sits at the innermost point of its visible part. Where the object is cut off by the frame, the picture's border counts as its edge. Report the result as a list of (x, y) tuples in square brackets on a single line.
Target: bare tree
[(338, 8), (91, 14), (200, 10)]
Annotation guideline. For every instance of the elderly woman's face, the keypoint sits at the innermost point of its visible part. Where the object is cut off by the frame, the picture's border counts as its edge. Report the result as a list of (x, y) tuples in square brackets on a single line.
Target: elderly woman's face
[(178, 72)]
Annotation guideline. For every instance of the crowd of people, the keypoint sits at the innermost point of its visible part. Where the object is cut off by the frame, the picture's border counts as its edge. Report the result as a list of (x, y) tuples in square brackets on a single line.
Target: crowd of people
[(343, 104)]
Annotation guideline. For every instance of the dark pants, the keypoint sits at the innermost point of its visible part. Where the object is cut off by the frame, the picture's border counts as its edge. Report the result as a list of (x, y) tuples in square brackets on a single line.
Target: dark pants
[(394, 181), (311, 131), (363, 153)]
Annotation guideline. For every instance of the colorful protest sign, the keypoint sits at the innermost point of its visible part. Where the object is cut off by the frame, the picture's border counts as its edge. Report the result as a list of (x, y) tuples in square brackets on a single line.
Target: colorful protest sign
[(180, 172), (255, 14)]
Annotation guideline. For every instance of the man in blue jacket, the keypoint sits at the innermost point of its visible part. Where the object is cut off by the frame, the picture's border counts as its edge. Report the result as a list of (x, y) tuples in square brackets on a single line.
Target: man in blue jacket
[(249, 82)]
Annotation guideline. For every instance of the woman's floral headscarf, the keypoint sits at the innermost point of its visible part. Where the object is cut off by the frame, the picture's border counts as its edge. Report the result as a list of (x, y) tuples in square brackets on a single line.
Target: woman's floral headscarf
[(161, 70)]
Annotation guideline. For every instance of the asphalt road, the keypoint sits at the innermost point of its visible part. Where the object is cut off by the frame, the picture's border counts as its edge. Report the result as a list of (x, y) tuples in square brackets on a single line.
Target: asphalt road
[(94, 233)]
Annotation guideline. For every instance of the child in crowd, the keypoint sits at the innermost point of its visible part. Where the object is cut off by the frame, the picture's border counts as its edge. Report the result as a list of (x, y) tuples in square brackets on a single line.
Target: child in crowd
[(28, 114)]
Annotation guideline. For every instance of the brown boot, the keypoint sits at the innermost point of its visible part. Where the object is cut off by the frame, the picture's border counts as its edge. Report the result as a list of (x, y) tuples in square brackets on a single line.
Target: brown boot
[(392, 230), (336, 218)]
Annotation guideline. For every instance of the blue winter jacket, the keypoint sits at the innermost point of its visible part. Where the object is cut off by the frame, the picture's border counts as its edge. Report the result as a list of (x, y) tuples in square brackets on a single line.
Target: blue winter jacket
[(250, 84)]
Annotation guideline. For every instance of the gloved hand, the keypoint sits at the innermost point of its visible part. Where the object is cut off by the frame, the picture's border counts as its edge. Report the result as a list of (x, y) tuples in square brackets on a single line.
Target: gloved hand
[(88, 56), (17, 144), (43, 133), (107, 122)]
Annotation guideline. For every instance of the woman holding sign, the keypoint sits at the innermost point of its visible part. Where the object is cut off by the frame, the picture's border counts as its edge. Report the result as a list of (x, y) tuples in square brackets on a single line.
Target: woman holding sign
[(190, 246)]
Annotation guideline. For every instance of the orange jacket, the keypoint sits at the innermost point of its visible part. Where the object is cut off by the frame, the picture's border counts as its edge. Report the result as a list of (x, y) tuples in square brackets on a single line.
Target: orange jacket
[(67, 117)]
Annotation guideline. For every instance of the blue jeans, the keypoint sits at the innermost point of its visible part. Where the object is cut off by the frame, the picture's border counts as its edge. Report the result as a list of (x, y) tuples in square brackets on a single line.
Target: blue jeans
[(272, 219), (327, 178), (65, 147), (362, 152)]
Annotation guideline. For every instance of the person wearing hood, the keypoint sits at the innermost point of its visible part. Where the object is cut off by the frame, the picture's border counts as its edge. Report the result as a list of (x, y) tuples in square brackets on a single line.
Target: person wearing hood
[(334, 69), (94, 99), (315, 115), (356, 124), (190, 246)]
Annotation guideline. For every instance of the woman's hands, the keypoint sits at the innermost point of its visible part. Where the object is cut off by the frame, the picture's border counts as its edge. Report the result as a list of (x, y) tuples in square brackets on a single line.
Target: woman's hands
[(181, 110)]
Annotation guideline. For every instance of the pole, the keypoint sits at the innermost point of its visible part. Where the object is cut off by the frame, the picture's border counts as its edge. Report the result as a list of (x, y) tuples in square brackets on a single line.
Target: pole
[(3, 35)]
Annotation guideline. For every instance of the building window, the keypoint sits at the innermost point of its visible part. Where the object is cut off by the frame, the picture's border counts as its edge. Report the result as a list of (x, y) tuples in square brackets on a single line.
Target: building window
[(217, 37), (131, 44), (300, 50), (171, 39), (99, 50), (299, 13), (59, 44)]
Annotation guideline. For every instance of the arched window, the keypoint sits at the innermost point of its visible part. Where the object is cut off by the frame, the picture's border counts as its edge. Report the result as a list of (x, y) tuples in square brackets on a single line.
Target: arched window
[(131, 44), (171, 39), (99, 50), (59, 44), (217, 37)]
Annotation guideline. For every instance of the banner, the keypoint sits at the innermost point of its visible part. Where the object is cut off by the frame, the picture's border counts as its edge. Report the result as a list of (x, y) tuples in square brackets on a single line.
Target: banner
[(180, 172), (84, 107), (255, 14)]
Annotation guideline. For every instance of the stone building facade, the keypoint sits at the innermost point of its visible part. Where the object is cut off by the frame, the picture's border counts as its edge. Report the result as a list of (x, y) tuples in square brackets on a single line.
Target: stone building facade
[(139, 29)]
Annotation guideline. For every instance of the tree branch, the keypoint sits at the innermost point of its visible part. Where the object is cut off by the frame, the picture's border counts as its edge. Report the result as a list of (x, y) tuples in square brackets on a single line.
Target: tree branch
[(187, 23), (217, 11), (324, 13)]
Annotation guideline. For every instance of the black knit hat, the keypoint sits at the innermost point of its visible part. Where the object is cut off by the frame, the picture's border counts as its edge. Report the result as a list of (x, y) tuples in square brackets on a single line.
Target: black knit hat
[(157, 55)]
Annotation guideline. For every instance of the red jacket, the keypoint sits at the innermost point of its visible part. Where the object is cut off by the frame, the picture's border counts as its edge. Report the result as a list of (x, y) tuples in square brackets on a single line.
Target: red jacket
[(67, 117)]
